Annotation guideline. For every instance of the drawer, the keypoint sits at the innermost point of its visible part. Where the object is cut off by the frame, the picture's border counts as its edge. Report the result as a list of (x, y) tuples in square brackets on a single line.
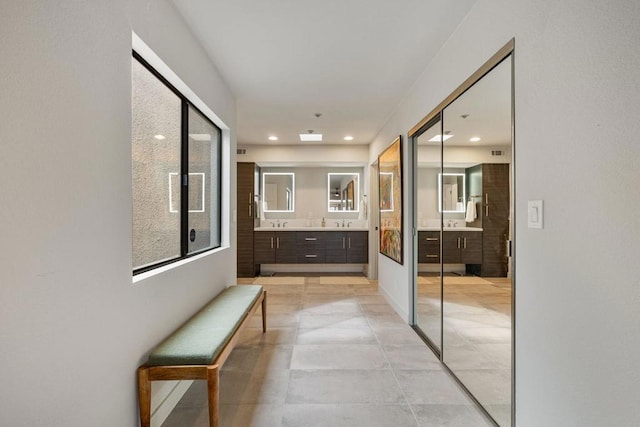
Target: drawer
[(313, 256)]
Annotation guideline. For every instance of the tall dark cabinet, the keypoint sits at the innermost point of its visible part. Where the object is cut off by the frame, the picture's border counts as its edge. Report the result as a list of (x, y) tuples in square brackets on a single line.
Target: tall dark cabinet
[(490, 183), (247, 217)]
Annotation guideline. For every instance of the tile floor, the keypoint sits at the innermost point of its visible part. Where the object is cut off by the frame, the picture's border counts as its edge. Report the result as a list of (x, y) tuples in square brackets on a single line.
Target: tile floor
[(335, 354)]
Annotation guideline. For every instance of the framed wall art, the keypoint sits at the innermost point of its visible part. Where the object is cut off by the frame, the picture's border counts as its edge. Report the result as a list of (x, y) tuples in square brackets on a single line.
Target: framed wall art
[(390, 188)]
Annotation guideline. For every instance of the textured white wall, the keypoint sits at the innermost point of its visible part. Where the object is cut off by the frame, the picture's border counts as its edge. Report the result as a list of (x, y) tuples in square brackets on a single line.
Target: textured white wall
[(577, 281), (73, 326)]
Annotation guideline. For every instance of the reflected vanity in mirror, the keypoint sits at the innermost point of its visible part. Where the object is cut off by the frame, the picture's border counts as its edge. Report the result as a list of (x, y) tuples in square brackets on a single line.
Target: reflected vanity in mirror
[(463, 188), (278, 189), (452, 192), (342, 191)]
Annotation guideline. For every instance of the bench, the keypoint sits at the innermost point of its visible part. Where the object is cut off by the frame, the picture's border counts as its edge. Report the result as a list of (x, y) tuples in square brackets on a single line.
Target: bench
[(199, 348)]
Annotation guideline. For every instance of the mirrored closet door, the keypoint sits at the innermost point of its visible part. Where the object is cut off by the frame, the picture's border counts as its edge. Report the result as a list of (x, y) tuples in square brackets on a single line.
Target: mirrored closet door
[(463, 188)]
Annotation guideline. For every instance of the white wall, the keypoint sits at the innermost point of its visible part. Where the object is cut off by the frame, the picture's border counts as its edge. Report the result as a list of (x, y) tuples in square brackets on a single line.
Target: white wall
[(73, 326), (577, 281), (318, 155)]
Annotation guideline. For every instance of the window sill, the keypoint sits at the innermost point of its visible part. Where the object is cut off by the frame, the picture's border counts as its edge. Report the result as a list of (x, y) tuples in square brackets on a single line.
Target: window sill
[(151, 273)]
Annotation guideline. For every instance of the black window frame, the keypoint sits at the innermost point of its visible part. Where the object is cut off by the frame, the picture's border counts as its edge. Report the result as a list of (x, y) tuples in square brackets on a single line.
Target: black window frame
[(184, 174)]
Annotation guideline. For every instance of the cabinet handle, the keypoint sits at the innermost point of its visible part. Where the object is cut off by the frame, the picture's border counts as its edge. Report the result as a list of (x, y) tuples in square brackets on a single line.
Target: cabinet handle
[(465, 243), (250, 197), (343, 244), (486, 204), (272, 243), (458, 243), (432, 239), (349, 242), (311, 256), (277, 243), (432, 256), (312, 239)]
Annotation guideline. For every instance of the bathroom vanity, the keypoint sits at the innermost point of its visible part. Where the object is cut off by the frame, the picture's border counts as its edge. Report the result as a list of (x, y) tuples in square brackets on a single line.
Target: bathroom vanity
[(311, 245)]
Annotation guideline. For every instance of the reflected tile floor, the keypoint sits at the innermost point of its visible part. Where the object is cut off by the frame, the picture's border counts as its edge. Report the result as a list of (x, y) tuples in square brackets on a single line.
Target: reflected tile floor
[(335, 354)]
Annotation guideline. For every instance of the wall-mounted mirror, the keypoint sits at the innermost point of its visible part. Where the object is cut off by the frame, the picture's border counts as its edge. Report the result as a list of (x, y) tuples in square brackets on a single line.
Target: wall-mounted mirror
[(463, 289), (342, 191), (278, 190), (452, 192)]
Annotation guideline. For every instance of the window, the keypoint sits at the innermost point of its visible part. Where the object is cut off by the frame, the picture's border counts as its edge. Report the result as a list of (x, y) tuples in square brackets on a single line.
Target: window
[(176, 173)]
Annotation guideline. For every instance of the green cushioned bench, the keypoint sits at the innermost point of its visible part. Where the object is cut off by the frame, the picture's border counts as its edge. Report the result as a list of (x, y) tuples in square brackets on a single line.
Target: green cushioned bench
[(198, 349)]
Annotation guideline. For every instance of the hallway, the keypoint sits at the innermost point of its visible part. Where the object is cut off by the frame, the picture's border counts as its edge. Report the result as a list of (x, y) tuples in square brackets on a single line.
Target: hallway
[(335, 354)]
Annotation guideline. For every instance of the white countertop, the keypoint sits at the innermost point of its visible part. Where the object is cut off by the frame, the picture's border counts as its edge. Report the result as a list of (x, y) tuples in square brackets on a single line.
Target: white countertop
[(450, 229), (293, 228)]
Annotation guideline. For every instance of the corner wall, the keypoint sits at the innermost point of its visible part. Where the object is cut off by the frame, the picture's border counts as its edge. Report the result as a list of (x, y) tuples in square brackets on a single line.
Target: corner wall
[(73, 326), (577, 285)]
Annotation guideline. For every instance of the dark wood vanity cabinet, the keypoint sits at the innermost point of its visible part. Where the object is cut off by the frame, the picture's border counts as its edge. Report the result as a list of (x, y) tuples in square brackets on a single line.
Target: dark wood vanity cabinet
[(350, 247), (310, 247), (357, 247), (273, 247), (429, 247), (462, 247)]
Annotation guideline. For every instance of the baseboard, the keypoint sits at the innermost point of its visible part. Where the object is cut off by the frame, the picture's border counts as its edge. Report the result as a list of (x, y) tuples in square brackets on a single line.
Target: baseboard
[(165, 395), (403, 314)]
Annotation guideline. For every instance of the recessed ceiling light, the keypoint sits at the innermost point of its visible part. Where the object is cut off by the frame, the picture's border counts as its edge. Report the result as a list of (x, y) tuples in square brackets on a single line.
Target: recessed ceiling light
[(438, 137), (200, 136), (273, 138), (310, 137), (160, 137), (348, 138), (474, 139)]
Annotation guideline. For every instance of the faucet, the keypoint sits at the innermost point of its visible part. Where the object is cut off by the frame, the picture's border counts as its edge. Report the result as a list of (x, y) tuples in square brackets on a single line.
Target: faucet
[(448, 224), (337, 223), (278, 223), (284, 223), (343, 222), (349, 224), (273, 224)]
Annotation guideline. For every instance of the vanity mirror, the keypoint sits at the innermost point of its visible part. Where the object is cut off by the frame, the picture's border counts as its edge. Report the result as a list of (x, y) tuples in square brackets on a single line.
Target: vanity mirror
[(342, 192), (452, 192), (278, 190)]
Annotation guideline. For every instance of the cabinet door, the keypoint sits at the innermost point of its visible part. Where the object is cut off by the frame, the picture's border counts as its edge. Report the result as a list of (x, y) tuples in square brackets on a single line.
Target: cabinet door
[(428, 247), (335, 247), (286, 247), (495, 220), (310, 247), (357, 247), (264, 247), (245, 194), (471, 250), (451, 242)]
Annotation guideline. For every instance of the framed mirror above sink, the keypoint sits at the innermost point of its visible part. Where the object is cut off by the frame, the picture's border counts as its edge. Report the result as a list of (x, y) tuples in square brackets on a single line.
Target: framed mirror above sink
[(278, 190), (343, 192), (453, 192)]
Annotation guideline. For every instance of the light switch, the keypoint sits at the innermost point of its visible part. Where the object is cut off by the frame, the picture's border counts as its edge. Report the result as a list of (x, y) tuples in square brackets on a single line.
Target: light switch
[(534, 214)]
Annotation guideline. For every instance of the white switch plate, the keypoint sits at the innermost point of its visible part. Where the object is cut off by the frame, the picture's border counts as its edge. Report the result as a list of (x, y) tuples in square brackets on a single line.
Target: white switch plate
[(535, 214)]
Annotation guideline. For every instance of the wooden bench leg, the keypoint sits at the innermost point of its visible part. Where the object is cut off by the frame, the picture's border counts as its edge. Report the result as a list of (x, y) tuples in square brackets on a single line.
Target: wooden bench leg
[(144, 396), (213, 392), (264, 312)]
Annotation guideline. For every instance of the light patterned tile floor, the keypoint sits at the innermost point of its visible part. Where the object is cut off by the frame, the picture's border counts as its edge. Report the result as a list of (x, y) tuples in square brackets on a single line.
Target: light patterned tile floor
[(335, 355)]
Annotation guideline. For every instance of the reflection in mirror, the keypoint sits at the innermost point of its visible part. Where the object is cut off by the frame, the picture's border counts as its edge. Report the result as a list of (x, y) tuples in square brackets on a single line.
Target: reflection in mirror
[(477, 297), (428, 285), (342, 190), (278, 191), (452, 192)]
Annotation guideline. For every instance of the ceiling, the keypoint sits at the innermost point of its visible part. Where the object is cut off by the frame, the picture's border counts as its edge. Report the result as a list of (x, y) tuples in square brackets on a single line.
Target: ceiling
[(351, 61)]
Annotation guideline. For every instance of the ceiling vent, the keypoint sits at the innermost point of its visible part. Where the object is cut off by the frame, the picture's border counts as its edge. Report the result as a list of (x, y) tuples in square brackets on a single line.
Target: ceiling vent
[(497, 153), (241, 151)]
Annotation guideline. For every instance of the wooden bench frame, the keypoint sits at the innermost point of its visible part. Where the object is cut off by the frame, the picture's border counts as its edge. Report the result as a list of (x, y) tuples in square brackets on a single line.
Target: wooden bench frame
[(210, 373)]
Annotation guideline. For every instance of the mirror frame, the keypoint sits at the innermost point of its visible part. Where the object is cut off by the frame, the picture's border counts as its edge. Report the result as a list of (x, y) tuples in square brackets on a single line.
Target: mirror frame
[(293, 191), (356, 192)]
